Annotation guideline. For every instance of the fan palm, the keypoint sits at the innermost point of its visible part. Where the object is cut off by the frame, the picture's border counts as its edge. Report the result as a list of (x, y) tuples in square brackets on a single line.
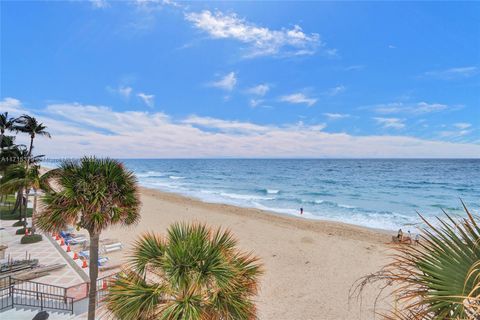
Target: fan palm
[(32, 127), (93, 194), (193, 273), (440, 278)]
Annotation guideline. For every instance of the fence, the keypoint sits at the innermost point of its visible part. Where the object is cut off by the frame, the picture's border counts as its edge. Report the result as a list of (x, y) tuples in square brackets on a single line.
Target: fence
[(15, 292)]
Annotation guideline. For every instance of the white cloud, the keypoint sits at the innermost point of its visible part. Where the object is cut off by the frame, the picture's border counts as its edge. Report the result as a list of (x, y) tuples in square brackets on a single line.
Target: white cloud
[(79, 130), (454, 133), (148, 99), (124, 91), (100, 4), (423, 107), (152, 5), (461, 129), (259, 90), (261, 40), (225, 125), (227, 83), (336, 90), (255, 102), (410, 108), (393, 123), (299, 98), (462, 125), (453, 73), (336, 116), (391, 46), (11, 105)]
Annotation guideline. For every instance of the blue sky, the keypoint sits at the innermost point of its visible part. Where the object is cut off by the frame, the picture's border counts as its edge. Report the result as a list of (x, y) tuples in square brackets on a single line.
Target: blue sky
[(246, 79)]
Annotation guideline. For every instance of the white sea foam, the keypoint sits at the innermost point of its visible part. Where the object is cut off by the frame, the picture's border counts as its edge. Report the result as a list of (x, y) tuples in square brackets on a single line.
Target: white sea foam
[(245, 196), (176, 177), (149, 174), (272, 191), (346, 206)]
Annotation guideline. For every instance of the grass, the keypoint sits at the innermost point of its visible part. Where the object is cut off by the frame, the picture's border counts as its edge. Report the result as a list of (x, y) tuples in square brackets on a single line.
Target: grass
[(6, 208)]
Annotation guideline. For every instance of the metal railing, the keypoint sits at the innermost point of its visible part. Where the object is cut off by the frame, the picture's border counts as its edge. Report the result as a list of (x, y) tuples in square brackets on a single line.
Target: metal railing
[(33, 294), (6, 297), (38, 287), (41, 300), (102, 286), (45, 296)]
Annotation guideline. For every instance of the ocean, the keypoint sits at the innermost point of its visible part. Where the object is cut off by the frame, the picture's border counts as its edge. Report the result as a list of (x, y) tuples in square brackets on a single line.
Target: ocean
[(377, 193), (384, 194)]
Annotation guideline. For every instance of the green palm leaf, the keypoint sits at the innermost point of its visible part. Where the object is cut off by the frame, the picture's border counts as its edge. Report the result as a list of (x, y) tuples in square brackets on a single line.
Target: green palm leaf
[(193, 273), (440, 278)]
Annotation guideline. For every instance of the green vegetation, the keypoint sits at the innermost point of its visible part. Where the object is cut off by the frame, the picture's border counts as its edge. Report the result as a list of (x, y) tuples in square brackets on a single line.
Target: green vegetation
[(6, 213), (19, 224), (439, 278), (192, 273), (94, 194), (22, 230), (31, 238), (19, 169)]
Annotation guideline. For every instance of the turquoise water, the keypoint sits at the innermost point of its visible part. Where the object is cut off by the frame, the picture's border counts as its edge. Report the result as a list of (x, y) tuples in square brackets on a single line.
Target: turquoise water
[(385, 194), (382, 194)]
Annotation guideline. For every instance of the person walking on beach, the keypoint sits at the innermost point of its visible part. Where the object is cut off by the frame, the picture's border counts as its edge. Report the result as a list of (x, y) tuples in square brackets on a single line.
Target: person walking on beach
[(301, 211)]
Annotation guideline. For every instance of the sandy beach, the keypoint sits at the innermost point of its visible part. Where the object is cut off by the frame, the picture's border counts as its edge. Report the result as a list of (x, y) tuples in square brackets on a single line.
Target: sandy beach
[(309, 265)]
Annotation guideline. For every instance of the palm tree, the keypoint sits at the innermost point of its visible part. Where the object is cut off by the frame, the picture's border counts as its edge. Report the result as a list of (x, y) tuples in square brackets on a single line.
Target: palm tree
[(14, 156), (19, 176), (31, 126), (440, 278), (92, 194), (193, 273), (6, 124)]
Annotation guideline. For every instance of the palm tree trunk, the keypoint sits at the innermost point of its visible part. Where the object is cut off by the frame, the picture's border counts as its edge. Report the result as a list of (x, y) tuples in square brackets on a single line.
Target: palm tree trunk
[(26, 205), (18, 204), (1, 140), (31, 147), (92, 293), (34, 212)]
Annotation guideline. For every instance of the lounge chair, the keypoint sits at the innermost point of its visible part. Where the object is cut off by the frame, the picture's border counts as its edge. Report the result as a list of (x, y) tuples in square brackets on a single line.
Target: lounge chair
[(86, 255), (74, 241), (112, 247)]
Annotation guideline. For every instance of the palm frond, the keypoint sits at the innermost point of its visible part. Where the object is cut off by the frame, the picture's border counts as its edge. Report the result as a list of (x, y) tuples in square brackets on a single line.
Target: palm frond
[(201, 272), (440, 278)]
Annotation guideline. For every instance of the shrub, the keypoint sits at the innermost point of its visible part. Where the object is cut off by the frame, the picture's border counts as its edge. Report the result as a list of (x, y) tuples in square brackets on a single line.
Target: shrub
[(32, 238), (19, 224), (21, 231)]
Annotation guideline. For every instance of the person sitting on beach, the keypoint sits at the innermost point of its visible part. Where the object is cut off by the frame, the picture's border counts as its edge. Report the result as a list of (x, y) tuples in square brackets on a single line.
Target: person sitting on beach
[(417, 239), (400, 235)]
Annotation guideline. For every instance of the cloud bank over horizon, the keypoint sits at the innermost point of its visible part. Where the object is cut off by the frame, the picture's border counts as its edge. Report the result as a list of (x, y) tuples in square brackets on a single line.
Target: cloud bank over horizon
[(81, 129)]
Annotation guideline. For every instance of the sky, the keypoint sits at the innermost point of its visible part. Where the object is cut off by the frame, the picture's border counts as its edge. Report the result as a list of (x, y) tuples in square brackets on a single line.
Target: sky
[(164, 79)]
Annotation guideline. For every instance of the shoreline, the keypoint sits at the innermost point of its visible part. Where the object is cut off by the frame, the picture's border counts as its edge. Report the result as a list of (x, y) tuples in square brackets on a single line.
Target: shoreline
[(319, 225)]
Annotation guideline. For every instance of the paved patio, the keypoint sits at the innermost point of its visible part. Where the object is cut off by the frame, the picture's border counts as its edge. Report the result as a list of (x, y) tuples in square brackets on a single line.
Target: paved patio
[(44, 251)]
